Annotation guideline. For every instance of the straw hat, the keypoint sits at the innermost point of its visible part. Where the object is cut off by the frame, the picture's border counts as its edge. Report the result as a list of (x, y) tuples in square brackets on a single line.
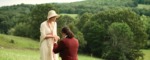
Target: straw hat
[(52, 13)]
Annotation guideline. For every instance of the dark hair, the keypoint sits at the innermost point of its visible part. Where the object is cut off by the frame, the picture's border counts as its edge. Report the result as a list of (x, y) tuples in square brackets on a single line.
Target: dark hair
[(68, 32)]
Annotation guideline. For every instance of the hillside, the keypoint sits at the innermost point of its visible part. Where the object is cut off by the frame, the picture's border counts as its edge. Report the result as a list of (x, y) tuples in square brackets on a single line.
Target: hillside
[(8, 41), (24, 48)]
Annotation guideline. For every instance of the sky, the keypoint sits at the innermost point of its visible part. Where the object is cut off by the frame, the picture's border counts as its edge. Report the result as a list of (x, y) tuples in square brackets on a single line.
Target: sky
[(12, 2)]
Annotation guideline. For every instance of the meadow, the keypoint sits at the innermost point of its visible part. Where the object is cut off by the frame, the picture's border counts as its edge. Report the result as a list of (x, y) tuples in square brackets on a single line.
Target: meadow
[(71, 15), (24, 48), (143, 6)]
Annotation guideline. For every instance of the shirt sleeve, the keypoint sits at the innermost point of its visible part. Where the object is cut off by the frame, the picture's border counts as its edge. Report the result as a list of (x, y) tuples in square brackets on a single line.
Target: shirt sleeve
[(42, 31), (58, 47)]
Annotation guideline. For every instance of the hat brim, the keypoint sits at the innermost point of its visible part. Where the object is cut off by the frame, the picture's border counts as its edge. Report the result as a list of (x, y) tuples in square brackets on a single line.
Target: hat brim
[(57, 16)]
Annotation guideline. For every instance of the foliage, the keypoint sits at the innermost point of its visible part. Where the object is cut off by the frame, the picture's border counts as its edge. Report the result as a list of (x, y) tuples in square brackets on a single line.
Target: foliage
[(96, 30), (146, 21), (83, 19), (142, 11), (143, 1), (121, 44), (22, 29), (93, 6), (12, 15)]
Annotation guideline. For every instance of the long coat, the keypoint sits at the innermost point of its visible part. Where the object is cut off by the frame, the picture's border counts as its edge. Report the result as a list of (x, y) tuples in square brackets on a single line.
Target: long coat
[(67, 48), (46, 45)]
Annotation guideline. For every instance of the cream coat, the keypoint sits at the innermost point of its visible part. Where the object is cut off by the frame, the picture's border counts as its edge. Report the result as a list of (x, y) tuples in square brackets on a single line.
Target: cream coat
[(46, 45)]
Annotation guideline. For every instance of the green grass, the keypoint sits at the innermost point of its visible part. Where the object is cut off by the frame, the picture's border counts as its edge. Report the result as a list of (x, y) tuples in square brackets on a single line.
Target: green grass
[(146, 54), (24, 49), (143, 6), (18, 54), (71, 15), (19, 42)]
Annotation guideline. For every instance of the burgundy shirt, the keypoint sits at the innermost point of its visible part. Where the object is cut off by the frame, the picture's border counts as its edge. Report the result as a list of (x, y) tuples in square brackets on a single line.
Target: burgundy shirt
[(67, 48)]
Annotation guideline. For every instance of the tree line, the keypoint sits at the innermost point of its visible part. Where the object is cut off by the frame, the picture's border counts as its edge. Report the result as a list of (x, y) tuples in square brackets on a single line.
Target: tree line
[(109, 29)]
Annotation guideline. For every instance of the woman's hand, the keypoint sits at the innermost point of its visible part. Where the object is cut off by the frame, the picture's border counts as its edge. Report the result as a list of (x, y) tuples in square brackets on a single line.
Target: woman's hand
[(56, 38)]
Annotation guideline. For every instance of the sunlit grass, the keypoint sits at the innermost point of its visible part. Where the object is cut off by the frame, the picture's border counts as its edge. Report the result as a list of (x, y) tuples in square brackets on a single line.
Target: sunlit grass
[(18, 54), (146, 54), (143, 6), (24, 49), (19, 42), (71, 15)]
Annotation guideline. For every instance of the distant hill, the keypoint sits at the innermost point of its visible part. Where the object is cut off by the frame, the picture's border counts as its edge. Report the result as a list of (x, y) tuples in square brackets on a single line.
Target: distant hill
[(94, 5), (11, 16), (74, 7)]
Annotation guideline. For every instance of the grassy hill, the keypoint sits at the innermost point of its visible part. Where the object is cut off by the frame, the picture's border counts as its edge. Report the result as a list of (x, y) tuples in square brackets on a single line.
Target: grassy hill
[(71, 15), (143, 6), (24, 48), (8, 41)]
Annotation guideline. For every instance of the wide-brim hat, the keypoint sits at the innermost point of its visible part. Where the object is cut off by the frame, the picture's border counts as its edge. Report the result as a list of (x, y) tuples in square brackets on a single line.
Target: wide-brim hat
[(51, 14)]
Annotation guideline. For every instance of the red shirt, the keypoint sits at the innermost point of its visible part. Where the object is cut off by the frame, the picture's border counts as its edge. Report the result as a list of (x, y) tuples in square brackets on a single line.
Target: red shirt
[(67, 48)]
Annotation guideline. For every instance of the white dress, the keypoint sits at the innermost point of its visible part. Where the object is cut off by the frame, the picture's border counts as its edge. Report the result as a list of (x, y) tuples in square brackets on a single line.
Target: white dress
[(46, 45)]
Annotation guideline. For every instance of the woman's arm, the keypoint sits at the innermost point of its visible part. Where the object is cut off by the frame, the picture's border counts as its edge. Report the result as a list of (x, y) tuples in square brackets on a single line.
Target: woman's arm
[(42, 31)]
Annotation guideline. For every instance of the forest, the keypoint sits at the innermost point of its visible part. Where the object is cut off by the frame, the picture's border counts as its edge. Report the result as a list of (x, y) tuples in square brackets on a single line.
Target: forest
[(108, 29)]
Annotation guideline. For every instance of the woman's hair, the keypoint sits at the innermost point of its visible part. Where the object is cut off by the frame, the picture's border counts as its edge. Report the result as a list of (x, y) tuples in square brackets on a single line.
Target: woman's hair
[(68, 32)]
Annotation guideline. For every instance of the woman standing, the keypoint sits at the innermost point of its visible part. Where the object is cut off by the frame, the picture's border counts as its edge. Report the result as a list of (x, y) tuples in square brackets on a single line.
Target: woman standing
[(48, 37), (68, 46)]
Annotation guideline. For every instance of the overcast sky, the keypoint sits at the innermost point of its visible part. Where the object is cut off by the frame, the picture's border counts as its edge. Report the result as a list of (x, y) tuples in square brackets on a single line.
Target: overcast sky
[(12, 2)]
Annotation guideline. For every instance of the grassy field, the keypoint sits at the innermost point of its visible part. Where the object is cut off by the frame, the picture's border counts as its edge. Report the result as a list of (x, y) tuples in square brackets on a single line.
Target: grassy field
[(146, 54), (24, 49), (28, 49), (143, 6), (19, 42), (17, 54), (71, 15)]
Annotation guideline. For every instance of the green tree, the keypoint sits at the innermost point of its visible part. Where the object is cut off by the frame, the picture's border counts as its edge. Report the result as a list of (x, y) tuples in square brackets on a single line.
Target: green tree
[(146, 21), (121, 44), (21, 29), (64, 20), (96, 32), (5, 22), (83, 19)]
